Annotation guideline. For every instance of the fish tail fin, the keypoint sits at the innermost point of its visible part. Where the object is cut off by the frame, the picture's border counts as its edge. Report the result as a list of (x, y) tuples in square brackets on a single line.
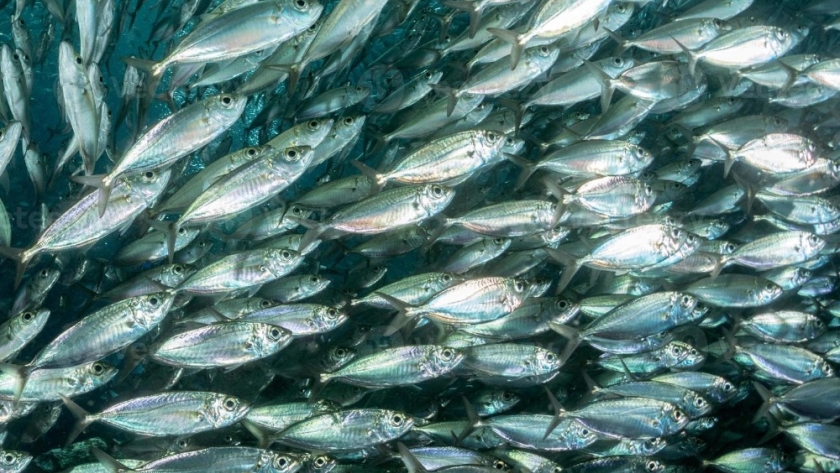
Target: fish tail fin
[(730, 156), (20, 373), (412, 464), (570, 334), (473, 8), (21, 259), (768, 400), (790, 75), (377, 178), (403, 317), (720, 262), (528, 170), (451, 93), (692, 58), (562, 197), (83, 418), (154, 69), (314, 230), (559, 412), (517, 43), (473, 418), (264, 439), (103, 183), (109, 463), (607, 83), (749, 188), (572, 265), (622, 43)]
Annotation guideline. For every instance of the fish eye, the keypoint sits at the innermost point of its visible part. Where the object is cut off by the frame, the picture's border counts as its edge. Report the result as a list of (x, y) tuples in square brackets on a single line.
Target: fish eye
[(265, 303), (544, 50), (699, 402), (275, 333), (678, 415), (585, 432), (730, 247), (332, 313), (437, 190), (551, 357), (296, 210), (717, 23), (8, 458), (648, 190), (446, 354), (428, 75), (519, 286), (291, 154), (182, 443), (769, 286), (226, 100), (301, 3), (320, 461), (686, 300), (252, 152), (97, 368), (777, 121), (44, 273), (813, 240), (313, 27), (154, 301), (286, 254), (397, 420), (314, 124), (491, 136), (618, 61), (562, 304), (340, 352), (149, 175), (315, 279), (557, 469), (182, 231), (652, 465), (230, 404), (446, 278), (507, 396), (359, 88), (499, 465), (281, 461), (677, 350), (178, 269), (348, 121), (27, 316)]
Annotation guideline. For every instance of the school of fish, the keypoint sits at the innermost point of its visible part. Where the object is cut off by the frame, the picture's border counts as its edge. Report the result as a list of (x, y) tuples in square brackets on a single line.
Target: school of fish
[(534, 236)]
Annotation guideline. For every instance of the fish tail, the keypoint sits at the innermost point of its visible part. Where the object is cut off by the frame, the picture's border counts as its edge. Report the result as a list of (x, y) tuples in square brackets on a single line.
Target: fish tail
[(623, 44), (375, 177), (154, 70), (692, 58), (83, 418), (472, 417), (517, 43), (403, 317), (572, 265), (607, 83), (20, 373), (559, 412), (102, 182), (473, 8), (109, 463), (451, 93), (264, 439), (412, 464), (21, 259)]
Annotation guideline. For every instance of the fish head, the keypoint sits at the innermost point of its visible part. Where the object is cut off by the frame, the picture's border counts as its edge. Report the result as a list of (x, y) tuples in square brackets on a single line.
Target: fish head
[(93, 374), (696, 405), (445, 359), (149, 309), (314, 131), (11, 460), (148, 185), (280, 261), (765, 293), (349, 126), (273, 462), (268, 339), (29, 318), (327, 318), (821, 369), (322, 464), (578, 436), (491, 141), (303, 13), (392, 424), (435, 197), (224, 410), (498, 401), (810, 244), (545, 361), (225, 108)]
